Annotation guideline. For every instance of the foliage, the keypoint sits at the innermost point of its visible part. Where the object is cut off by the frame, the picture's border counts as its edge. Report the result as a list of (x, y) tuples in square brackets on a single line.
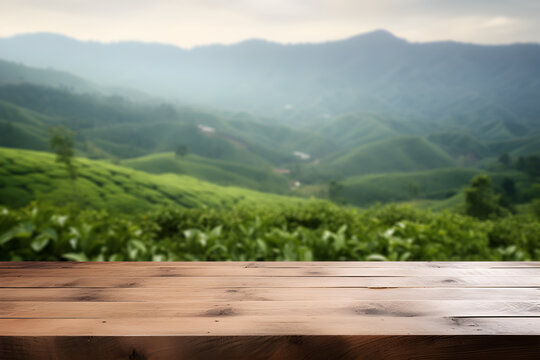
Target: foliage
[(312, 231), (429, 184), (505, 159), (334, 191), (181, 150), (529, 165), (479, 198), (63, 144)]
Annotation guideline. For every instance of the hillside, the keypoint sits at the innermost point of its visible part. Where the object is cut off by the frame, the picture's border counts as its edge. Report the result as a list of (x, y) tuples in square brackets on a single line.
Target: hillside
[(11, 73), (405, 153), (117, 127), (459, 144), (215, 171), (435, 184), (235, 148), (28, 175), (352, 130)]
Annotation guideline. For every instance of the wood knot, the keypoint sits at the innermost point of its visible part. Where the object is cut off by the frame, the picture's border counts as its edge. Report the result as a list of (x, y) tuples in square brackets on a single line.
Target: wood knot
[(377, 310), (223, 311), (136, 356)]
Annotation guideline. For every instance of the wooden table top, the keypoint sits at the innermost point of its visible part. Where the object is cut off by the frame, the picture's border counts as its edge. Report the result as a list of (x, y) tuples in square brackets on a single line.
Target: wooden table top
[(269, 299)]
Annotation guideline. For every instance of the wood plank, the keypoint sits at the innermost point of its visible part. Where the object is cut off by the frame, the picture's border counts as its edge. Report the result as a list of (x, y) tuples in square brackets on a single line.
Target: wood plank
[(227, 271), (263, 294), (279, 310), (269, 282), (275, 264), (271, 347), (387, 308), (271, 325)]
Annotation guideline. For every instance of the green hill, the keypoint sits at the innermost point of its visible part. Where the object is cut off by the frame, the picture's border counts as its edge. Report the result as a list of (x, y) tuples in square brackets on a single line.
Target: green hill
[(27, 175), (437, 185), (517, 147), (404, 153), (434, 184), (216, 171), (453, 203), (356, 129), (459, 144), (116, 127)]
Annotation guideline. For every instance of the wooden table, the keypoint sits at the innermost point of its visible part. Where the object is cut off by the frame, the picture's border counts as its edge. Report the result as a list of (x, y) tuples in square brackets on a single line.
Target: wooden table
[(272, 310)]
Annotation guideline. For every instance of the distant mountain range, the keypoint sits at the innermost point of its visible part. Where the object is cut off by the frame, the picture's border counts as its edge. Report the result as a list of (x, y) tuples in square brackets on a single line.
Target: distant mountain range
[(439, 85)]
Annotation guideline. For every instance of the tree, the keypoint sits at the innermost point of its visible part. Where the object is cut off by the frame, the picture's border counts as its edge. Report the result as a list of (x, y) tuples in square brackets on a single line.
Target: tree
[(334, 191), (509, 186), (530, 165), (505, 159), (480, 201), (63, 144), (413, 188), (181, 150)]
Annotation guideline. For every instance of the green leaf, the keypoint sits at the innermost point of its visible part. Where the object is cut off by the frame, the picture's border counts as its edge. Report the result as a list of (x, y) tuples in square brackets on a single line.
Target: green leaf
[(51, 233), (75, 257), (159, 257), (7, 236), (24, 230), (138, 244), (376, 257), (40, 242), (116, 257), (305, 254)]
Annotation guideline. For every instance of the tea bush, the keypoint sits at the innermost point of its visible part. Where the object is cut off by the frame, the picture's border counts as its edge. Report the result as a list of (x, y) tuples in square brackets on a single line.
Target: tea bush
[(310, 231)]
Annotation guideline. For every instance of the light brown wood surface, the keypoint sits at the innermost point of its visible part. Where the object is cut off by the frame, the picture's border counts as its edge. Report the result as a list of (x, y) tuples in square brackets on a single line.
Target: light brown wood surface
[(273, 310)]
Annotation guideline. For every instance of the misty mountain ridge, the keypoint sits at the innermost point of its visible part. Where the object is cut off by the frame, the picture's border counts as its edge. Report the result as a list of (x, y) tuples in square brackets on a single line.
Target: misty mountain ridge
[(443, 84)]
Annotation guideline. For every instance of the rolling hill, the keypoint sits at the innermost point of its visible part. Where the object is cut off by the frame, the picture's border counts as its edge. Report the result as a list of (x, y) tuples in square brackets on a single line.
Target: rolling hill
[(435, 184), (404, 153), (219, 172), (117, 127), (29, 175), (377, 157)]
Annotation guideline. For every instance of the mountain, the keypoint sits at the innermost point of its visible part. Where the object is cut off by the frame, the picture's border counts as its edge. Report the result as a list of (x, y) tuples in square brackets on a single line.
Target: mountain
[(11, 73), (17, 74), (446, 84)]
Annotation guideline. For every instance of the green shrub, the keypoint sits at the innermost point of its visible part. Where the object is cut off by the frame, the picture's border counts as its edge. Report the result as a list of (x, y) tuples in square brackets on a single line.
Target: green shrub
[(311, 231)]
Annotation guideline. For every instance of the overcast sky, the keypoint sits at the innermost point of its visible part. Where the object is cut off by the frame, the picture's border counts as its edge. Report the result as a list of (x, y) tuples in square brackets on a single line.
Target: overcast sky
[(193, 22)]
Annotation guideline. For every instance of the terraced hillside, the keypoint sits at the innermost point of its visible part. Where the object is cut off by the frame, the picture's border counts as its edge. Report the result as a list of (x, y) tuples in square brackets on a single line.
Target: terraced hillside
[(28, 175), (220, 172)]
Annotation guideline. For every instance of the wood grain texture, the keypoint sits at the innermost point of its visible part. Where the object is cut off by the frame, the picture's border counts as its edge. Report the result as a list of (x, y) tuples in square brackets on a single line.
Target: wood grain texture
[(278, 310), (271, 347)]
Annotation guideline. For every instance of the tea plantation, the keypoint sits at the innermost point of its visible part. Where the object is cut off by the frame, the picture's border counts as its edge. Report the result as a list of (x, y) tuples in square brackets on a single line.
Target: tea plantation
[(308, 231)]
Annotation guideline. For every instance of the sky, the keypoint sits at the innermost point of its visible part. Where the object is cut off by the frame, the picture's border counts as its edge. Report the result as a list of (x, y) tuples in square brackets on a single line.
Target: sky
[(188, 23)]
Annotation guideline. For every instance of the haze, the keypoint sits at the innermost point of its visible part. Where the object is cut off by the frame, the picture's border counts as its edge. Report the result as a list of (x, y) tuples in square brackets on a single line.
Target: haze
[(195, 22)]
